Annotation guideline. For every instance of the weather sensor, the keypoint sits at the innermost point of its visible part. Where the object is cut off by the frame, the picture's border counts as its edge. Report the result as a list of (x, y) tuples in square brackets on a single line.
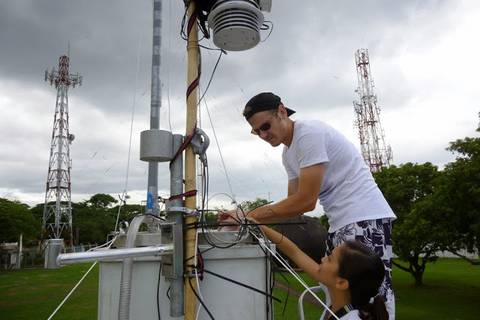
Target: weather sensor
[(236, 23)]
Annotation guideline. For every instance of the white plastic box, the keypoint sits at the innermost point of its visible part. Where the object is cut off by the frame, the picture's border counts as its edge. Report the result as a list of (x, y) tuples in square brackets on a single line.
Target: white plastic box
[(245, 263)]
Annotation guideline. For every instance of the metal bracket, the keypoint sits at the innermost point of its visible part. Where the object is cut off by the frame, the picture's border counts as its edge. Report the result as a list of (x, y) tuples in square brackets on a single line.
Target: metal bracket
[(200, 143), (173, 264)]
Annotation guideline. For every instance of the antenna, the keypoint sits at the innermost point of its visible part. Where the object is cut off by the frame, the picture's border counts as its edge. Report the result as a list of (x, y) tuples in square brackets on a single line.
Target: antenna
[(372, 138), (57, 210)]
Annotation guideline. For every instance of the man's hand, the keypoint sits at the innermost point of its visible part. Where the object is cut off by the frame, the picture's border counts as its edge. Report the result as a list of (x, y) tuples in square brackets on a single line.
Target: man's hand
[(231, 219)]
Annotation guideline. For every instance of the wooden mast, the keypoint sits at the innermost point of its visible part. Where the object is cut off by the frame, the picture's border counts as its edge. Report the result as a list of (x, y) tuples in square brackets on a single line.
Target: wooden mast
[(193, 78)]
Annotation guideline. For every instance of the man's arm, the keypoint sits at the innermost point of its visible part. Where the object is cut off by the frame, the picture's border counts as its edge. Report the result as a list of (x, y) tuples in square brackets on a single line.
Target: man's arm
[(292, 186), (292, 251), (303, 194)]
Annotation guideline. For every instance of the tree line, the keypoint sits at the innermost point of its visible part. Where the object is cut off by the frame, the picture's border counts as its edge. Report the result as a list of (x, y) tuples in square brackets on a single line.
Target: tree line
[(93, 219)]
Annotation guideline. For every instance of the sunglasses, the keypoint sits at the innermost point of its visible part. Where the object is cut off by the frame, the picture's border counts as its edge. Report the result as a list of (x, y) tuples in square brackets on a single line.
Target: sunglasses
[(264, 127)]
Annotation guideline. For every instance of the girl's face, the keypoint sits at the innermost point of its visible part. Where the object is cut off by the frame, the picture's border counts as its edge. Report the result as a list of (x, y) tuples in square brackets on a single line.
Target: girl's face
[(328, 269)]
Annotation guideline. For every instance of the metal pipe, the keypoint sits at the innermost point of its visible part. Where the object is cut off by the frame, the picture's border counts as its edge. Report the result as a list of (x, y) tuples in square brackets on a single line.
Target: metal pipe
[(155, 104), (110, 254), (176, 187)]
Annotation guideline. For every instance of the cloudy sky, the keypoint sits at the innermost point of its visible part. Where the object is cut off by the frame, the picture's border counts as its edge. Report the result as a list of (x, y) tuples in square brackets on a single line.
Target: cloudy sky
[(424, 60)]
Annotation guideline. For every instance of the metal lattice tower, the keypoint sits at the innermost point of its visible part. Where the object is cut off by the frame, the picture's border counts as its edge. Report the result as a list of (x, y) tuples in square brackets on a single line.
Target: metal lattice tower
[(57, 210), (372, 138)]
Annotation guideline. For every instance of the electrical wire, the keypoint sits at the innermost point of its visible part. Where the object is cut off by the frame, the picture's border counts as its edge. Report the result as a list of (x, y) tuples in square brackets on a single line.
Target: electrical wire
[(241, 284), (196, 274), (288, 292), (199, 299), (222, 52), (108, 243), (158, 290), (267, 25), (220, 152), (123, 197)]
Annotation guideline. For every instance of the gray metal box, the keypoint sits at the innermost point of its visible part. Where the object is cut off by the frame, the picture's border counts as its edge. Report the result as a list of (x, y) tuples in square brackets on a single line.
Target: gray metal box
[(53, 248), (156, 145)]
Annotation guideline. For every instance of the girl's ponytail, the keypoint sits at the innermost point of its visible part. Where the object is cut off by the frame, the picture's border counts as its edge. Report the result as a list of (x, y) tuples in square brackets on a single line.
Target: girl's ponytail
[(375, 310)]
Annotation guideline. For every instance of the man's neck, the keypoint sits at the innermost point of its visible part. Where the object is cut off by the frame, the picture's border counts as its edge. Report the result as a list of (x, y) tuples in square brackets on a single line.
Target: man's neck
[(290, 129)]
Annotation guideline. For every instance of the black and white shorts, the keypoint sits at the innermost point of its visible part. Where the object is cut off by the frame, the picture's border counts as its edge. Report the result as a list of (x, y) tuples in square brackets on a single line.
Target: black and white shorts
[(377, 235)]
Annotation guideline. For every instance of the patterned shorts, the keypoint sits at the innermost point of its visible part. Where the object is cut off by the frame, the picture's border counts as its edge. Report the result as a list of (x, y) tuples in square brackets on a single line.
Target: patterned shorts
[(377, 235)]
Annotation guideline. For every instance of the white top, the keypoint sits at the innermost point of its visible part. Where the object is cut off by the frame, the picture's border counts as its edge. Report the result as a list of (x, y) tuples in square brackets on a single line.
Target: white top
[(352, 315), (348, 192)]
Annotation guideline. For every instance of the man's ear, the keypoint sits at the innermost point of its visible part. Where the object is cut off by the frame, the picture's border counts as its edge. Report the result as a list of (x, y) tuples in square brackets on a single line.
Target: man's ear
[(282, 111), (342, 284)]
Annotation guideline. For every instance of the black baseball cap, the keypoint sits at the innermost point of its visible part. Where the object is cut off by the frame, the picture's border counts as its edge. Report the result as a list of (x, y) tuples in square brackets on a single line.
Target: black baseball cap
[(262, 102)]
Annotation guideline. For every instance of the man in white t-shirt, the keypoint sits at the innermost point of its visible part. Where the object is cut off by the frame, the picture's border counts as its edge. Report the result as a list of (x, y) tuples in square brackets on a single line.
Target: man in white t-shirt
[(322, 164)]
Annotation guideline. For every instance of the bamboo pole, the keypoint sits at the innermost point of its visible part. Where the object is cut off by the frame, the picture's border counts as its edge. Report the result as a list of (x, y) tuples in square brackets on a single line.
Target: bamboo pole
[(193, 56)]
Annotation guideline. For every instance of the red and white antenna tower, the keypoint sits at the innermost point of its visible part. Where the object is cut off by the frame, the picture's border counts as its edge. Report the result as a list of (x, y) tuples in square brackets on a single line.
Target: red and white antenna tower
[(57, 210), (372, 138)]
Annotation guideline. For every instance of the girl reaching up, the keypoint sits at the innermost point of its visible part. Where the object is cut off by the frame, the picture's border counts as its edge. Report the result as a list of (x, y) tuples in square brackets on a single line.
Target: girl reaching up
[(352, 274)]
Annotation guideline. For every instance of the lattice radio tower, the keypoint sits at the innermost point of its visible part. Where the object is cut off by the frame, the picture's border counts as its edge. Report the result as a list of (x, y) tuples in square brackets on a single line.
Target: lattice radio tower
[(372, 138), (57, 210)]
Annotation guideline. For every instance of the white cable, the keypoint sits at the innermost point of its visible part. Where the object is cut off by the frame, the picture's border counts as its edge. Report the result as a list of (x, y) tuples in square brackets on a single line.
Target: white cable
[(78, 283), (294, 274), (123, 197), (196, 276), (102, 245), (219, 151), (71, 291), (137, 71)]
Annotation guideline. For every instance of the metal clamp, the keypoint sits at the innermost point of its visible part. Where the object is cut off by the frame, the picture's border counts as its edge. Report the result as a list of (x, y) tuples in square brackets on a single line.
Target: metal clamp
[(186, 211), (200, 143)]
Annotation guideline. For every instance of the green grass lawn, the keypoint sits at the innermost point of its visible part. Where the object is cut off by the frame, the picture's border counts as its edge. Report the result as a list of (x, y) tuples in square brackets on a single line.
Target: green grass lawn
[(451, 291), (35, 293)]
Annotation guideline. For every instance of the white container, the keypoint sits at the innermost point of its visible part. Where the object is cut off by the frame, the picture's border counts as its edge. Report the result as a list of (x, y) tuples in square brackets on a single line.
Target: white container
[(244, 263)]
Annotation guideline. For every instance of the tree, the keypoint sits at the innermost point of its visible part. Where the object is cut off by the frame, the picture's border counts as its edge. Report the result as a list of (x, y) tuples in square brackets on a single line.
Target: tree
[(90, 224), (94, 219), (418, 232), (16, 218), (250, 205), (460, 192), (101, 200)]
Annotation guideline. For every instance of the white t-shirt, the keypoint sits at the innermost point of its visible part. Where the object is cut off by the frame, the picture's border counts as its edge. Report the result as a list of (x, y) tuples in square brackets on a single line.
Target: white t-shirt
[(352, 315), (348, 192)]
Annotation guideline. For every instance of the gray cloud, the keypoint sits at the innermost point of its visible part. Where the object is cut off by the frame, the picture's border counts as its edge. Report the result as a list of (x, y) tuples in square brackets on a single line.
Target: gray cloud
[(308, 60)]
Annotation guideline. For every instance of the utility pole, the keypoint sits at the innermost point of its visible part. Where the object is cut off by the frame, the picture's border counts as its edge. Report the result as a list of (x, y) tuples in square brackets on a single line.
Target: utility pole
[(372, 138), (57, 210)]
